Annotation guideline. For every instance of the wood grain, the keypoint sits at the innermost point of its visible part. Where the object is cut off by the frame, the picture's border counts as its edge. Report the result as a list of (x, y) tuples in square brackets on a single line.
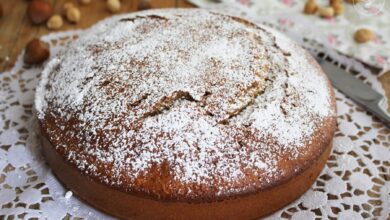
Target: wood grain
[(16, 30)]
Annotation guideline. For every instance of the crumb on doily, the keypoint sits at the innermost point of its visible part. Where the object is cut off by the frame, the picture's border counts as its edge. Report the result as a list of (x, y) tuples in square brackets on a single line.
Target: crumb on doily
[(68, 194)]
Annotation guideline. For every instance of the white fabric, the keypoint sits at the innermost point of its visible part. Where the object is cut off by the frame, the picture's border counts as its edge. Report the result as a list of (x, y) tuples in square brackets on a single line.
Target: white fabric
[(337, 32)]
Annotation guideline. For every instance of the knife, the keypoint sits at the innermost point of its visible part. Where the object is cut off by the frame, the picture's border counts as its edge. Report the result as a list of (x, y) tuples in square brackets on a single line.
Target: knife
[(355, 89)]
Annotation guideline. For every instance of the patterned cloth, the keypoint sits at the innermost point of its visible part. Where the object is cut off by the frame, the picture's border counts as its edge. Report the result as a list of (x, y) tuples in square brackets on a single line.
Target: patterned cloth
[(336, 31)]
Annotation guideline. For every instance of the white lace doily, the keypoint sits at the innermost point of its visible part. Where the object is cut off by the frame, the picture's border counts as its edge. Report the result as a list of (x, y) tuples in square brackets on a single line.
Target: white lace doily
[(354, 184)]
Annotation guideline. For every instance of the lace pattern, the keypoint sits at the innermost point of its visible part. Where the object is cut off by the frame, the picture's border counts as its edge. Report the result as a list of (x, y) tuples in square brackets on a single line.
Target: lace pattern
[(354, 184)]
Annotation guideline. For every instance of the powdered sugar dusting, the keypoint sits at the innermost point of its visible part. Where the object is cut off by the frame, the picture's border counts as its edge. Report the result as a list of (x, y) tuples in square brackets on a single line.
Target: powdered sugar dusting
[(290, 98), (203, 98)]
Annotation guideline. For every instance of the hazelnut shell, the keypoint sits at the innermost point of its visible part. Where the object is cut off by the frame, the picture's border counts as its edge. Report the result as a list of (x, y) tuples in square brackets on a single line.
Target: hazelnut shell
[(39, 11), (36, 52), (363, 35)]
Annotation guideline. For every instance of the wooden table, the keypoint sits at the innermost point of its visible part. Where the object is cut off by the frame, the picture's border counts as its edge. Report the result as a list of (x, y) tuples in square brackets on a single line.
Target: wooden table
[(16, 29)]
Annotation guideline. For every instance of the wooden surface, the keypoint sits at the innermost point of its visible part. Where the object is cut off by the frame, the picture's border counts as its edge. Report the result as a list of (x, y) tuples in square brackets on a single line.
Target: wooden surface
[(16, 29)]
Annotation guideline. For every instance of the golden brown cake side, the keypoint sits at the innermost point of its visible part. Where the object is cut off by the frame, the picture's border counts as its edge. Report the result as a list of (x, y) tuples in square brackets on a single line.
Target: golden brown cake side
[(127, 206)]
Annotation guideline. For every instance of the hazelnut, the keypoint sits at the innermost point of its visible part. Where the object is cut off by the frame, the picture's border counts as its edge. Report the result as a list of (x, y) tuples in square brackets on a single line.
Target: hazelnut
[(73, 15), (113, 5), (85, 2), (363, 35), (338, 8), (36, 52), (55, 22), (39, 11), (66, 7), (310, 7), (144, 5), (326, 12)]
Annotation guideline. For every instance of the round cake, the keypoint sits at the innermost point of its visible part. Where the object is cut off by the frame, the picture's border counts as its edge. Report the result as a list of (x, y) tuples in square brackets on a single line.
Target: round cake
[(185, 114)]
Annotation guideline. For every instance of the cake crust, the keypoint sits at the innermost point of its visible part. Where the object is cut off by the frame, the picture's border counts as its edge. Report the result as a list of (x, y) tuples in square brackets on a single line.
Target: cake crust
[(185, 106), (127, 206)]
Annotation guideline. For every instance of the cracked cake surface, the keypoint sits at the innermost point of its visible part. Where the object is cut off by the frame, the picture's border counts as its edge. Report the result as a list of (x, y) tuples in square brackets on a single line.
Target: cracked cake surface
[(185, 105)]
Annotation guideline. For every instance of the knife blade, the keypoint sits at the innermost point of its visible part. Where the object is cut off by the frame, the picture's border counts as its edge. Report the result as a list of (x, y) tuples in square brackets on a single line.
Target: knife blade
[(355, 89)]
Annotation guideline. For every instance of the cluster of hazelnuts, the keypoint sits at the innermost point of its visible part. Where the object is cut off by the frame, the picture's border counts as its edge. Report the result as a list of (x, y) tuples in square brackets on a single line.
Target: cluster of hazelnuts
[(40, 11), (335, 8)]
